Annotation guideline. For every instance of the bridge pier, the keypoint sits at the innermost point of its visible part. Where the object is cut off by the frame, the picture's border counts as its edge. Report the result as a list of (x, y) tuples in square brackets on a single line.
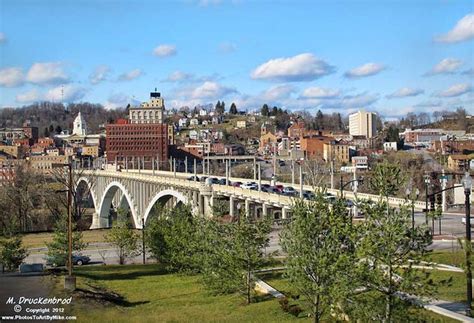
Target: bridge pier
[(231, 206)]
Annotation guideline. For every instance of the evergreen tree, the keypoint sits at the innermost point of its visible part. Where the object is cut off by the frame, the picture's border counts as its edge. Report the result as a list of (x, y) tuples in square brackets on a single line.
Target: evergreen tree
[(46, 132), (12, 253), (265, 111), (58, 248), (219, 108), (58, 129), (123, 237), (320, 245), (233, 109)]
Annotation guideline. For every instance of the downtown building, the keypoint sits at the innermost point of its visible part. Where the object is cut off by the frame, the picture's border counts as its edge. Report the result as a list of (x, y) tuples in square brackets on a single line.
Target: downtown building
[(363, 123), (142, 140)]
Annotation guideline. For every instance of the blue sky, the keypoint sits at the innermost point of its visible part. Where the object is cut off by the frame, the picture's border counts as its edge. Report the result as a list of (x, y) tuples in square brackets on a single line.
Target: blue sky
[(392, 57)]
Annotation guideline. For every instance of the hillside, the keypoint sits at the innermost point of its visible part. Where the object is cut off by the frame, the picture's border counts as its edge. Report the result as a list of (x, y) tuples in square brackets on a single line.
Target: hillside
[(51, 115)]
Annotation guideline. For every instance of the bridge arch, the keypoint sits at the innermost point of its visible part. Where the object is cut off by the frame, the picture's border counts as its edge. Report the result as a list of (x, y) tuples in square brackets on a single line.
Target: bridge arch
[(87, 182), (164, 196), (106, 203)]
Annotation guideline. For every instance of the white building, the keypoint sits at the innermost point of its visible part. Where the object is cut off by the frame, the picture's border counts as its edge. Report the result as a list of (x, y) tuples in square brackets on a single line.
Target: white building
[(390, 146), (80, 126), (362, 123), (183, 122), (148, 112)]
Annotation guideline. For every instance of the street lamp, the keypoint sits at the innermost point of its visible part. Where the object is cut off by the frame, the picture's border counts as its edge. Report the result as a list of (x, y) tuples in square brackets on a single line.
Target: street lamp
[(427, 182), (143, 240), (69, 280), (467, 184), (408, 194)]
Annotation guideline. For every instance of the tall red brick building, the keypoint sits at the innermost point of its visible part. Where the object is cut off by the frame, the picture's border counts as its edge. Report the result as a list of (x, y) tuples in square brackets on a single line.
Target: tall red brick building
[(141, 136)]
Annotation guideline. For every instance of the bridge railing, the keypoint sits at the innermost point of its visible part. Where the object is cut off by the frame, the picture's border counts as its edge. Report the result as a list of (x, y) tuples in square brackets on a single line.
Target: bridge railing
[(180, 179)]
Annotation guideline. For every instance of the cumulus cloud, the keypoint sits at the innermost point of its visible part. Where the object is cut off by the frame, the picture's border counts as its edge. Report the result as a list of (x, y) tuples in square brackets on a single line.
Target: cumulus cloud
[(47, 73), (119, 100), (165, 50), (276, 93), (469, 72), (227, 47), (100, 74), (405, 92), (3, 37), (211, 90), (455, 90), (446, 66), (178, 76), (302, 67), (29, 96), (131, 75), (462, 31), (365, 70), (320, 93), (66, 93), (11, 77)]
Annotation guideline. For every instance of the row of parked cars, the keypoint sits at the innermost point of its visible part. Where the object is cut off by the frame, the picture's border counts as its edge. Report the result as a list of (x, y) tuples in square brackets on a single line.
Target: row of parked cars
[(277, 189)]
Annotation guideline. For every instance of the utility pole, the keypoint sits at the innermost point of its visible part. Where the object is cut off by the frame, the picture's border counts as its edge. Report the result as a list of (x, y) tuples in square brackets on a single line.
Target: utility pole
[(143, 240), (332, 174)]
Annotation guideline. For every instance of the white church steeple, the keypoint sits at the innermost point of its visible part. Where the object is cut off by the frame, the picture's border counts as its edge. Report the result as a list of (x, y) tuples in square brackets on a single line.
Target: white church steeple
[(80, 127)]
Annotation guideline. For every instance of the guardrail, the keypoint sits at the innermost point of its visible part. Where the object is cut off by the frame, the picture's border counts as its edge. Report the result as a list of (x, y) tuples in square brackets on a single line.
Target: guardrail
[(180, 179)]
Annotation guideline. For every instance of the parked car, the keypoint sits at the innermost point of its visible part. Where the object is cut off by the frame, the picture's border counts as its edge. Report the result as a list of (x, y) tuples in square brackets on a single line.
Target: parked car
[(279, 187), (222, 181), (308, 195), (236, 184), (214, 180), (289, 190), (249, 185), (203, 179), (78, 260), (192, 178)]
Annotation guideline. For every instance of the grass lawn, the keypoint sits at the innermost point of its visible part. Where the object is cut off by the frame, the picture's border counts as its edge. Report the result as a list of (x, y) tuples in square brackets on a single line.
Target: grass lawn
[(154, 296), (36, 240), (456, 258), (454, 292)]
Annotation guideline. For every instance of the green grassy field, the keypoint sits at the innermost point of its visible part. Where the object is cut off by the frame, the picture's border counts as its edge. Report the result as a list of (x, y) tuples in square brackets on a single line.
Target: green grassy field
[(36, 240), (151, 295)]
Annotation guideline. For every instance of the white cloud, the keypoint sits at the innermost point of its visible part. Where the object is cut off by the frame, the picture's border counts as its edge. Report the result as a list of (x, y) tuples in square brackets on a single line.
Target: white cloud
[(119, 100), (100, 73), (277, 93), (29, 96), (47, 73), (227, 47), (455, 90), (11, 77), (302, 67), (178, 76), (469, 72), (320, 93), (446, 66), (3, 38), (131, 75), (165, 50), (429, 104), (405, 92), (211, 90), (365, 70), (66, 93), (464, 30)]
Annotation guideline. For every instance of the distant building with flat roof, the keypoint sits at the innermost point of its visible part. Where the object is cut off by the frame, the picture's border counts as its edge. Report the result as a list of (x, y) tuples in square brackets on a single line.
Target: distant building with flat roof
[(363, 123)]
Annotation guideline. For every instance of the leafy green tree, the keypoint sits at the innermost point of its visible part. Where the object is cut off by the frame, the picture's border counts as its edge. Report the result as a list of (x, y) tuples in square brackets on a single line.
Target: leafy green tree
[(388, 249), (387, 179), (171, 238), (233, 109), (265, 111), (58, 248), (123, 237), (220, 208), (319, 242), (12, 253), (220, 107), (231, 253)]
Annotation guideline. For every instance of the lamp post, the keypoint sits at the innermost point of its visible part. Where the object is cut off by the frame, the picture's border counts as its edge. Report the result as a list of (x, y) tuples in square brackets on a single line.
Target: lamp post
[(69, 280), (467, 184), (143, 240), (427, 182), (408, 193)]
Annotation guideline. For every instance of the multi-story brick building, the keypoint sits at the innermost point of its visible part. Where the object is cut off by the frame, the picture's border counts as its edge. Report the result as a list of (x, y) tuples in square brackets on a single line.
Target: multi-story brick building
[(338, 151), (313, 146)]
